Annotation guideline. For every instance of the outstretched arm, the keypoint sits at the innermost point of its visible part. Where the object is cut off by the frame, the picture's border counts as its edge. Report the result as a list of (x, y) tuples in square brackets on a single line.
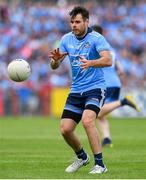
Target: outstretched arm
[(56, 58)]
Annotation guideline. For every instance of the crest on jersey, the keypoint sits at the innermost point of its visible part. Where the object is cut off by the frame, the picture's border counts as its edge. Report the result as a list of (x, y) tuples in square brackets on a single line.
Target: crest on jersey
[(87, 45)]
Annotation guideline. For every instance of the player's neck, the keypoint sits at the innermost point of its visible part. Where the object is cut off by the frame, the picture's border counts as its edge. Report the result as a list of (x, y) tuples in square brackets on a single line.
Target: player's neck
[(88, 30), (81, 36)]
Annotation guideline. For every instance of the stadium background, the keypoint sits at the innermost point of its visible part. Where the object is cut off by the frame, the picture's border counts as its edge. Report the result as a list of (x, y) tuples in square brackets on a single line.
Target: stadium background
[(31, 146), (29, 29)]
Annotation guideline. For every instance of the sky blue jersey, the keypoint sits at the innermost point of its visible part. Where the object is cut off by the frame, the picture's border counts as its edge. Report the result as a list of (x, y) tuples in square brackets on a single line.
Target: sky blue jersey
[(110, 73), (88, 47)]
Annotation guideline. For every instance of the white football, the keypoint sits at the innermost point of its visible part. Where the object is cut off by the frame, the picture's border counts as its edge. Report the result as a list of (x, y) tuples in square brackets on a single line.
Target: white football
[(19, 70)]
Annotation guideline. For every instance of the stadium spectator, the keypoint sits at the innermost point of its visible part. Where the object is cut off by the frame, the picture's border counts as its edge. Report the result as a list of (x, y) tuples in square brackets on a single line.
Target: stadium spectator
[(4, 14)]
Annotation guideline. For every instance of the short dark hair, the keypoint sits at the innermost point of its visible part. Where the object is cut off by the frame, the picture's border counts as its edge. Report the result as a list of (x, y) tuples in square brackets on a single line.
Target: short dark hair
[(79, 10), (97, 28)]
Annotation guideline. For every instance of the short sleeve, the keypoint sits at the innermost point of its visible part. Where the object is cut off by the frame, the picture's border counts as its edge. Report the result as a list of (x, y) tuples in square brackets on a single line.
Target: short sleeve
[(62, 46), (102, 44)]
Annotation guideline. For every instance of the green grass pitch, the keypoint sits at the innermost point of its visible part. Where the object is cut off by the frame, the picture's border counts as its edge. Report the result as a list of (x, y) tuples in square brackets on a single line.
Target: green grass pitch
[(32, 148)]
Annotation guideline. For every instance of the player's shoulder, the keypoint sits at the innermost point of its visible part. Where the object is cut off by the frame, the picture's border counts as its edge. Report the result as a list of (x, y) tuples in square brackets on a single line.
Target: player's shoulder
[(95, 34)]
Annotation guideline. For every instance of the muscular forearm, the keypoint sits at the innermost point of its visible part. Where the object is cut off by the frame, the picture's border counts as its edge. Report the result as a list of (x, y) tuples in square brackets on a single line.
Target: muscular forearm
[(102, 62)]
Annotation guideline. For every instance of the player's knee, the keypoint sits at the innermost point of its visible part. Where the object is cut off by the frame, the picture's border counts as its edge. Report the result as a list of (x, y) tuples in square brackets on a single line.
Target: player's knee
[(65, 130), (88, 121)]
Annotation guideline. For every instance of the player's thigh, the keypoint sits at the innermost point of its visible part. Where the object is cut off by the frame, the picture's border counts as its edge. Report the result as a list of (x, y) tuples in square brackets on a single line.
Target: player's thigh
[(94, 101), (73, 108)]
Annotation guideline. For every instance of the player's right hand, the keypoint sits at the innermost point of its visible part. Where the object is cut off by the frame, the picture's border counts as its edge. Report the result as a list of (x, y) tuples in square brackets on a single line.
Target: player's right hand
[(57, 55)]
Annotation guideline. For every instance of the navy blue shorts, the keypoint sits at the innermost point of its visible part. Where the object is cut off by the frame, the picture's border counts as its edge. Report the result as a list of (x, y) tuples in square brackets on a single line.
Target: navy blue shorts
[(112, 94), (76, 103)]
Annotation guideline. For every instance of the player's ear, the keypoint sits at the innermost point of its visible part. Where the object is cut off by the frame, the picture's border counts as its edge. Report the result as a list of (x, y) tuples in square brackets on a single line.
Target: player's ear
[(87, 21)]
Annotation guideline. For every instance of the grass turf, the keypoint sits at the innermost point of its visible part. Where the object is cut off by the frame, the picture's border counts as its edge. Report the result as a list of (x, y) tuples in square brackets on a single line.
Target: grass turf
[(32, 148)]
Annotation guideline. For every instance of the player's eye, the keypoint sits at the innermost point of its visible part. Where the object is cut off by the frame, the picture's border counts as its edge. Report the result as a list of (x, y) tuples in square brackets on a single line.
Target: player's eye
[(77, 22)]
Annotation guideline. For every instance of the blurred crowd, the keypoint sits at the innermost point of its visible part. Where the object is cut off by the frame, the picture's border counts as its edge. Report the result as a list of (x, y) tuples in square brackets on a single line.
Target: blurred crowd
[(29, 29)]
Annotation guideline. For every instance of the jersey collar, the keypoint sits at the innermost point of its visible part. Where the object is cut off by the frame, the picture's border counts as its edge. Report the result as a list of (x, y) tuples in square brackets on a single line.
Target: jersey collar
[(88, 31)]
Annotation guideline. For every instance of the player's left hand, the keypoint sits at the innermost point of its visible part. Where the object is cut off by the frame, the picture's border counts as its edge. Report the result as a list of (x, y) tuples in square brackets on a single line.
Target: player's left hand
[(85, 64)]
